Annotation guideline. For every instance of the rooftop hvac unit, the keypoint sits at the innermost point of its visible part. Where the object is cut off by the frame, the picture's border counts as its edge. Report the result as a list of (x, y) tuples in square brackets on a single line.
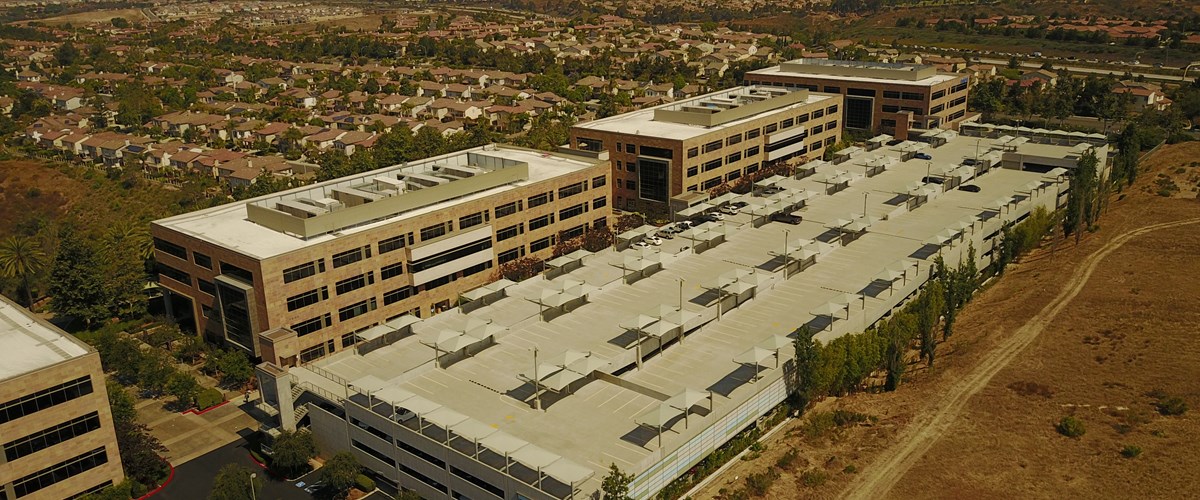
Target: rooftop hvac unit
[(389, 183), (329, 204)]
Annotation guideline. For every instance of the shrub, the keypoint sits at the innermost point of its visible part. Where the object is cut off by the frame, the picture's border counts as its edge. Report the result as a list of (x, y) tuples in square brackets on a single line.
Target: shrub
[(818, 424), (850, 469), (209, 398), (844, 418), (813, 478), (364, 483), (787, 460), (1171, 406), (759, 483), (1131, 451), (1070, 427)]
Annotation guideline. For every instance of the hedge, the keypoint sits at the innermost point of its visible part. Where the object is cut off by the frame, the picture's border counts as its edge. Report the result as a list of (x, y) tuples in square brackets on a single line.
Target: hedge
[(364, 483), (209, 398)]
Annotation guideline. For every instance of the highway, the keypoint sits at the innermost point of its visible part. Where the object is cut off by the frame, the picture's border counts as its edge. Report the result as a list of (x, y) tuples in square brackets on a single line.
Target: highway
[(1093, 71)]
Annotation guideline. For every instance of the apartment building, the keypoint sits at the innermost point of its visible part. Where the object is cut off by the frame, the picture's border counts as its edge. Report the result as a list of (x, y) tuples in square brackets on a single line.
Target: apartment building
[(885, 98), (56, 427), (312, 267), (700, 143)]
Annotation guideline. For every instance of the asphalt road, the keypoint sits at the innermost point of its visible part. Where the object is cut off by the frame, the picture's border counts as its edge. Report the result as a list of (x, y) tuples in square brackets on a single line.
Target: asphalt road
[(1116, 71), (193, 480)]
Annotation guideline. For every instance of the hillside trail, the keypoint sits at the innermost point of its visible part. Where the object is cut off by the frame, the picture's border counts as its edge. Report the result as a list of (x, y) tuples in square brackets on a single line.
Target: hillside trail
[(877, 480)]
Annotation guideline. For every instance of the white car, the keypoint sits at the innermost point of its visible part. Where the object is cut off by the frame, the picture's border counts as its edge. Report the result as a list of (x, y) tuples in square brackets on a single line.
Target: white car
[(654, 240), (729, 209), (641, 244), (717, 215)]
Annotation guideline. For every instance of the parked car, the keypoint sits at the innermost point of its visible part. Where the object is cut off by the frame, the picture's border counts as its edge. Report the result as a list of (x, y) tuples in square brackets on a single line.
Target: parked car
[(787, 218), (664, 234), (653, 240), (772, 190), (970, 162), (641, 244), (716, 216), (923, 156), (729, 209), (970, 188), (683, 226), (739, 204)]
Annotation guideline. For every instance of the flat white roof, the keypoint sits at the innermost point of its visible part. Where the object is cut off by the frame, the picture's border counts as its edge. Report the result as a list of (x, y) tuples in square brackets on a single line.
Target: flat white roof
[(29, 344), (926, 82), (228, 225), (642, 122)]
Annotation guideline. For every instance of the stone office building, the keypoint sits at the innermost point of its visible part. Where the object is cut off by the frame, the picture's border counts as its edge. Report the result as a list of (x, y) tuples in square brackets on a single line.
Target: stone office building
[(880, 97), (295, 276), (56, 427), (700, 143)]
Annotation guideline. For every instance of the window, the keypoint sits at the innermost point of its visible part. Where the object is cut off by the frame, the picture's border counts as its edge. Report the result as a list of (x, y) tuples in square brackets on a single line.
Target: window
[(833, 90), (202, 260), (802, 118), (938, 95), (588, 144), (831, 125), (311, 325), (693, 152), (657, 152), (393, 296), (912, 96), (891, 94), (571, 212), (711, 183), (887, 122), (831, 110), (510, 255), (394, 243), (572, 190), (314, 352), (237, 272), (599, 181), (355, 310), (453, 254), (170, 248), (733, 139), (937, 109), (631, 148), (540, 222), (733, 175), (435, 231), (712, 146), (631, 184), (818, 113), (302, 271), (306, 299), (816, 129), (860, 92), (541, 244), (692, 171), (349, 339), (829, 141), (573, 232), (752, 133), (600, 202), (473, 220), (891, 108), (733, 158), (46, 398), (391, 271), (752, 151), (207, 286), (354, 283), (59, 472), (713, 164), (752, 168), (510, 232), (60, 433), (770, 128), (348, 257), (630, 167), (538, 200), (787, 123), (693, 187), (174, 274), (508, 209)]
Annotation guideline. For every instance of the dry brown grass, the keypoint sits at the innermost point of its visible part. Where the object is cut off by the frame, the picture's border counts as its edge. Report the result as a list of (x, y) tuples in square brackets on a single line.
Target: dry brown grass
[(96, 16)]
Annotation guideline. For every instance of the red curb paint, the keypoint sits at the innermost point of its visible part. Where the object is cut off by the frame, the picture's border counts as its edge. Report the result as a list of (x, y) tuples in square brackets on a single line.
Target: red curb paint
[(206, 410), (170, 476)]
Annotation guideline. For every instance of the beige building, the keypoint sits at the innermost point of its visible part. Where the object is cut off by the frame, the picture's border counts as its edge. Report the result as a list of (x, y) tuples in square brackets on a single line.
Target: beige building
[(311, 268), (886, 98), (700, 143), (55, 424)]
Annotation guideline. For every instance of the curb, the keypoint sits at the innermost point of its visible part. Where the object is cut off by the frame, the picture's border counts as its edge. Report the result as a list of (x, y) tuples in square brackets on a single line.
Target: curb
[(170, 476), (206, 410)]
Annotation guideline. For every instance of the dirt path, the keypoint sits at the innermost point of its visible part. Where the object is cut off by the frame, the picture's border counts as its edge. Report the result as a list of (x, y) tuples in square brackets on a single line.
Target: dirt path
[(926, 429)]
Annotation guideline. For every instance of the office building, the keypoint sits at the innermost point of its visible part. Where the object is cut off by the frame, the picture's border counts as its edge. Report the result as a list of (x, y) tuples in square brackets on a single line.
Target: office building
[(56, 427), (652, 358), (886, 98), (311, 268), (700, 143)]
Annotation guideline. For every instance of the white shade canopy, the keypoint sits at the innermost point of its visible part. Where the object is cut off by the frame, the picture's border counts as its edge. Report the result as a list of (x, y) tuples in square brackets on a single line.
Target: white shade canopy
[(568, 472), (890, 275), (369, 383), (754, 356), (393, 395), (444, 417), (503, 443), (830, 309), (659, 415), (687, 398), (419, 405), (638, 322), (775, 342), (660, 328), (473, 429)]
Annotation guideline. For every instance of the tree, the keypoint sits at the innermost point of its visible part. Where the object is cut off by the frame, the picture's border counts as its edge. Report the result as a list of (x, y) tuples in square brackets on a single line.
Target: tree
[(806, 363), (234, 482), (139, 449), (1081, 195), (154, 372), (927, 309), (66, 54), (120, 22), (293, 450), (20, 257), (77, 280), (234, 367), (340, 473), (616, 484), (183, 387)]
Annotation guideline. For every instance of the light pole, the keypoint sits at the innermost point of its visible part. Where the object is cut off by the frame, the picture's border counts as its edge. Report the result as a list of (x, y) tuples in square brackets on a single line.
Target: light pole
[(785, 253), (252, 476)]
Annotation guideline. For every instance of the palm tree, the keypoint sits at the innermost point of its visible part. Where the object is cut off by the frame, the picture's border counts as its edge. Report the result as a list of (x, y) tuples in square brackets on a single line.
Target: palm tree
[(135, 237), (21, 257)]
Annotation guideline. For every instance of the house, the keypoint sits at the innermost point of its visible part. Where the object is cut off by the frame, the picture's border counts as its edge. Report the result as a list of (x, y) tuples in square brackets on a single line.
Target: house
[(323, 139), (1144, 95), (352, 140), (1042, 76)]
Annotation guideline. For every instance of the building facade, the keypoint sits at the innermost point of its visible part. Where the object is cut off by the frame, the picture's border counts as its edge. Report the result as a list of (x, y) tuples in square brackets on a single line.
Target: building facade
[(700, 143), (880, 97), (55, 423), (314, 266)]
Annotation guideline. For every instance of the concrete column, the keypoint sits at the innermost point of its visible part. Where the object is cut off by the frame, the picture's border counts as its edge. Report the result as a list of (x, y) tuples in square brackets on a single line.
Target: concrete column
[(287, 412)]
